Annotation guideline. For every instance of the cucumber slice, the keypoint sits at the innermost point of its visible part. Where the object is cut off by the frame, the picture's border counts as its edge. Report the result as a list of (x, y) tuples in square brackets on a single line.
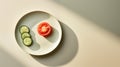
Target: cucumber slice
[(27, 41), (25, 35), (24, 29)]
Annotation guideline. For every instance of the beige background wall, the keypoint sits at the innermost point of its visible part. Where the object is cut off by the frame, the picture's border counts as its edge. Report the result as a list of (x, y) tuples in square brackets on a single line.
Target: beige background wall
[(96, 46)]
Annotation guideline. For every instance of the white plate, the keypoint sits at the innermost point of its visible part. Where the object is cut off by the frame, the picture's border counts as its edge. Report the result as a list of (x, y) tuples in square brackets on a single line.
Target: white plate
[(41, 45)]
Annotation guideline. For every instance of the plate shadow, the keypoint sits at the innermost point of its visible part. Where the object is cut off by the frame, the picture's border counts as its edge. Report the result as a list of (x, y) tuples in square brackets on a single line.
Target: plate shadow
[(64, 53)]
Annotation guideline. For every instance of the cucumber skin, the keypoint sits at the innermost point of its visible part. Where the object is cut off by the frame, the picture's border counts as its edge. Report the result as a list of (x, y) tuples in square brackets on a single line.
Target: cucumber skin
[(24, 29), (26, 43), (25, 35)]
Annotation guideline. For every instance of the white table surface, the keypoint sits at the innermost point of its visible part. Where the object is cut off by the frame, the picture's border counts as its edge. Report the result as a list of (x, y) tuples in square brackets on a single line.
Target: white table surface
[(96, 47)]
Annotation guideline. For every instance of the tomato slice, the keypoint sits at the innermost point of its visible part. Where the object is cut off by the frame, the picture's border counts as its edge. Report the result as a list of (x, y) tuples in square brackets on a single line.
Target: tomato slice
[(44, 29)]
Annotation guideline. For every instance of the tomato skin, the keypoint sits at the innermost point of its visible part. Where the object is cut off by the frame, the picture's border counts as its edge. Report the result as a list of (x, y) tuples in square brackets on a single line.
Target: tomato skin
[(44, 29)]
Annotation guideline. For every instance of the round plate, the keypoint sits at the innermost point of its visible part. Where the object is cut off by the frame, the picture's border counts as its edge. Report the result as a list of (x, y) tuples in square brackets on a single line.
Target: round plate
[(41, 45)]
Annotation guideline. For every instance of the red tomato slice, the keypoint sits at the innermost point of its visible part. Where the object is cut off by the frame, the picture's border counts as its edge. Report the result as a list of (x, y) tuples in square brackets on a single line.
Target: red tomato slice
[(44, 29)]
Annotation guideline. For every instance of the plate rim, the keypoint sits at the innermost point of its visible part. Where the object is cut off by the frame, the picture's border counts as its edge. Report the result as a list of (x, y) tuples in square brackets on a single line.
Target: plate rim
[(31, 52)]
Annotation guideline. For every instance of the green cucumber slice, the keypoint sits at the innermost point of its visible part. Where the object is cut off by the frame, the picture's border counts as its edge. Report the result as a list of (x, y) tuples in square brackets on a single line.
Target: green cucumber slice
[(25, 35), (27, 41), (24, 29)]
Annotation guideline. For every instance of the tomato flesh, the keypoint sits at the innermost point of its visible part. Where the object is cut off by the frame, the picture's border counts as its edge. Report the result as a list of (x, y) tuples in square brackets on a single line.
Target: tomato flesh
[(44, 29)]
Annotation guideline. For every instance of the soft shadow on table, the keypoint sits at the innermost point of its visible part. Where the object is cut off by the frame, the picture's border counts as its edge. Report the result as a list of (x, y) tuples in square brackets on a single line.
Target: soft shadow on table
[(104, 13), (6, 60), (64, 53)]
